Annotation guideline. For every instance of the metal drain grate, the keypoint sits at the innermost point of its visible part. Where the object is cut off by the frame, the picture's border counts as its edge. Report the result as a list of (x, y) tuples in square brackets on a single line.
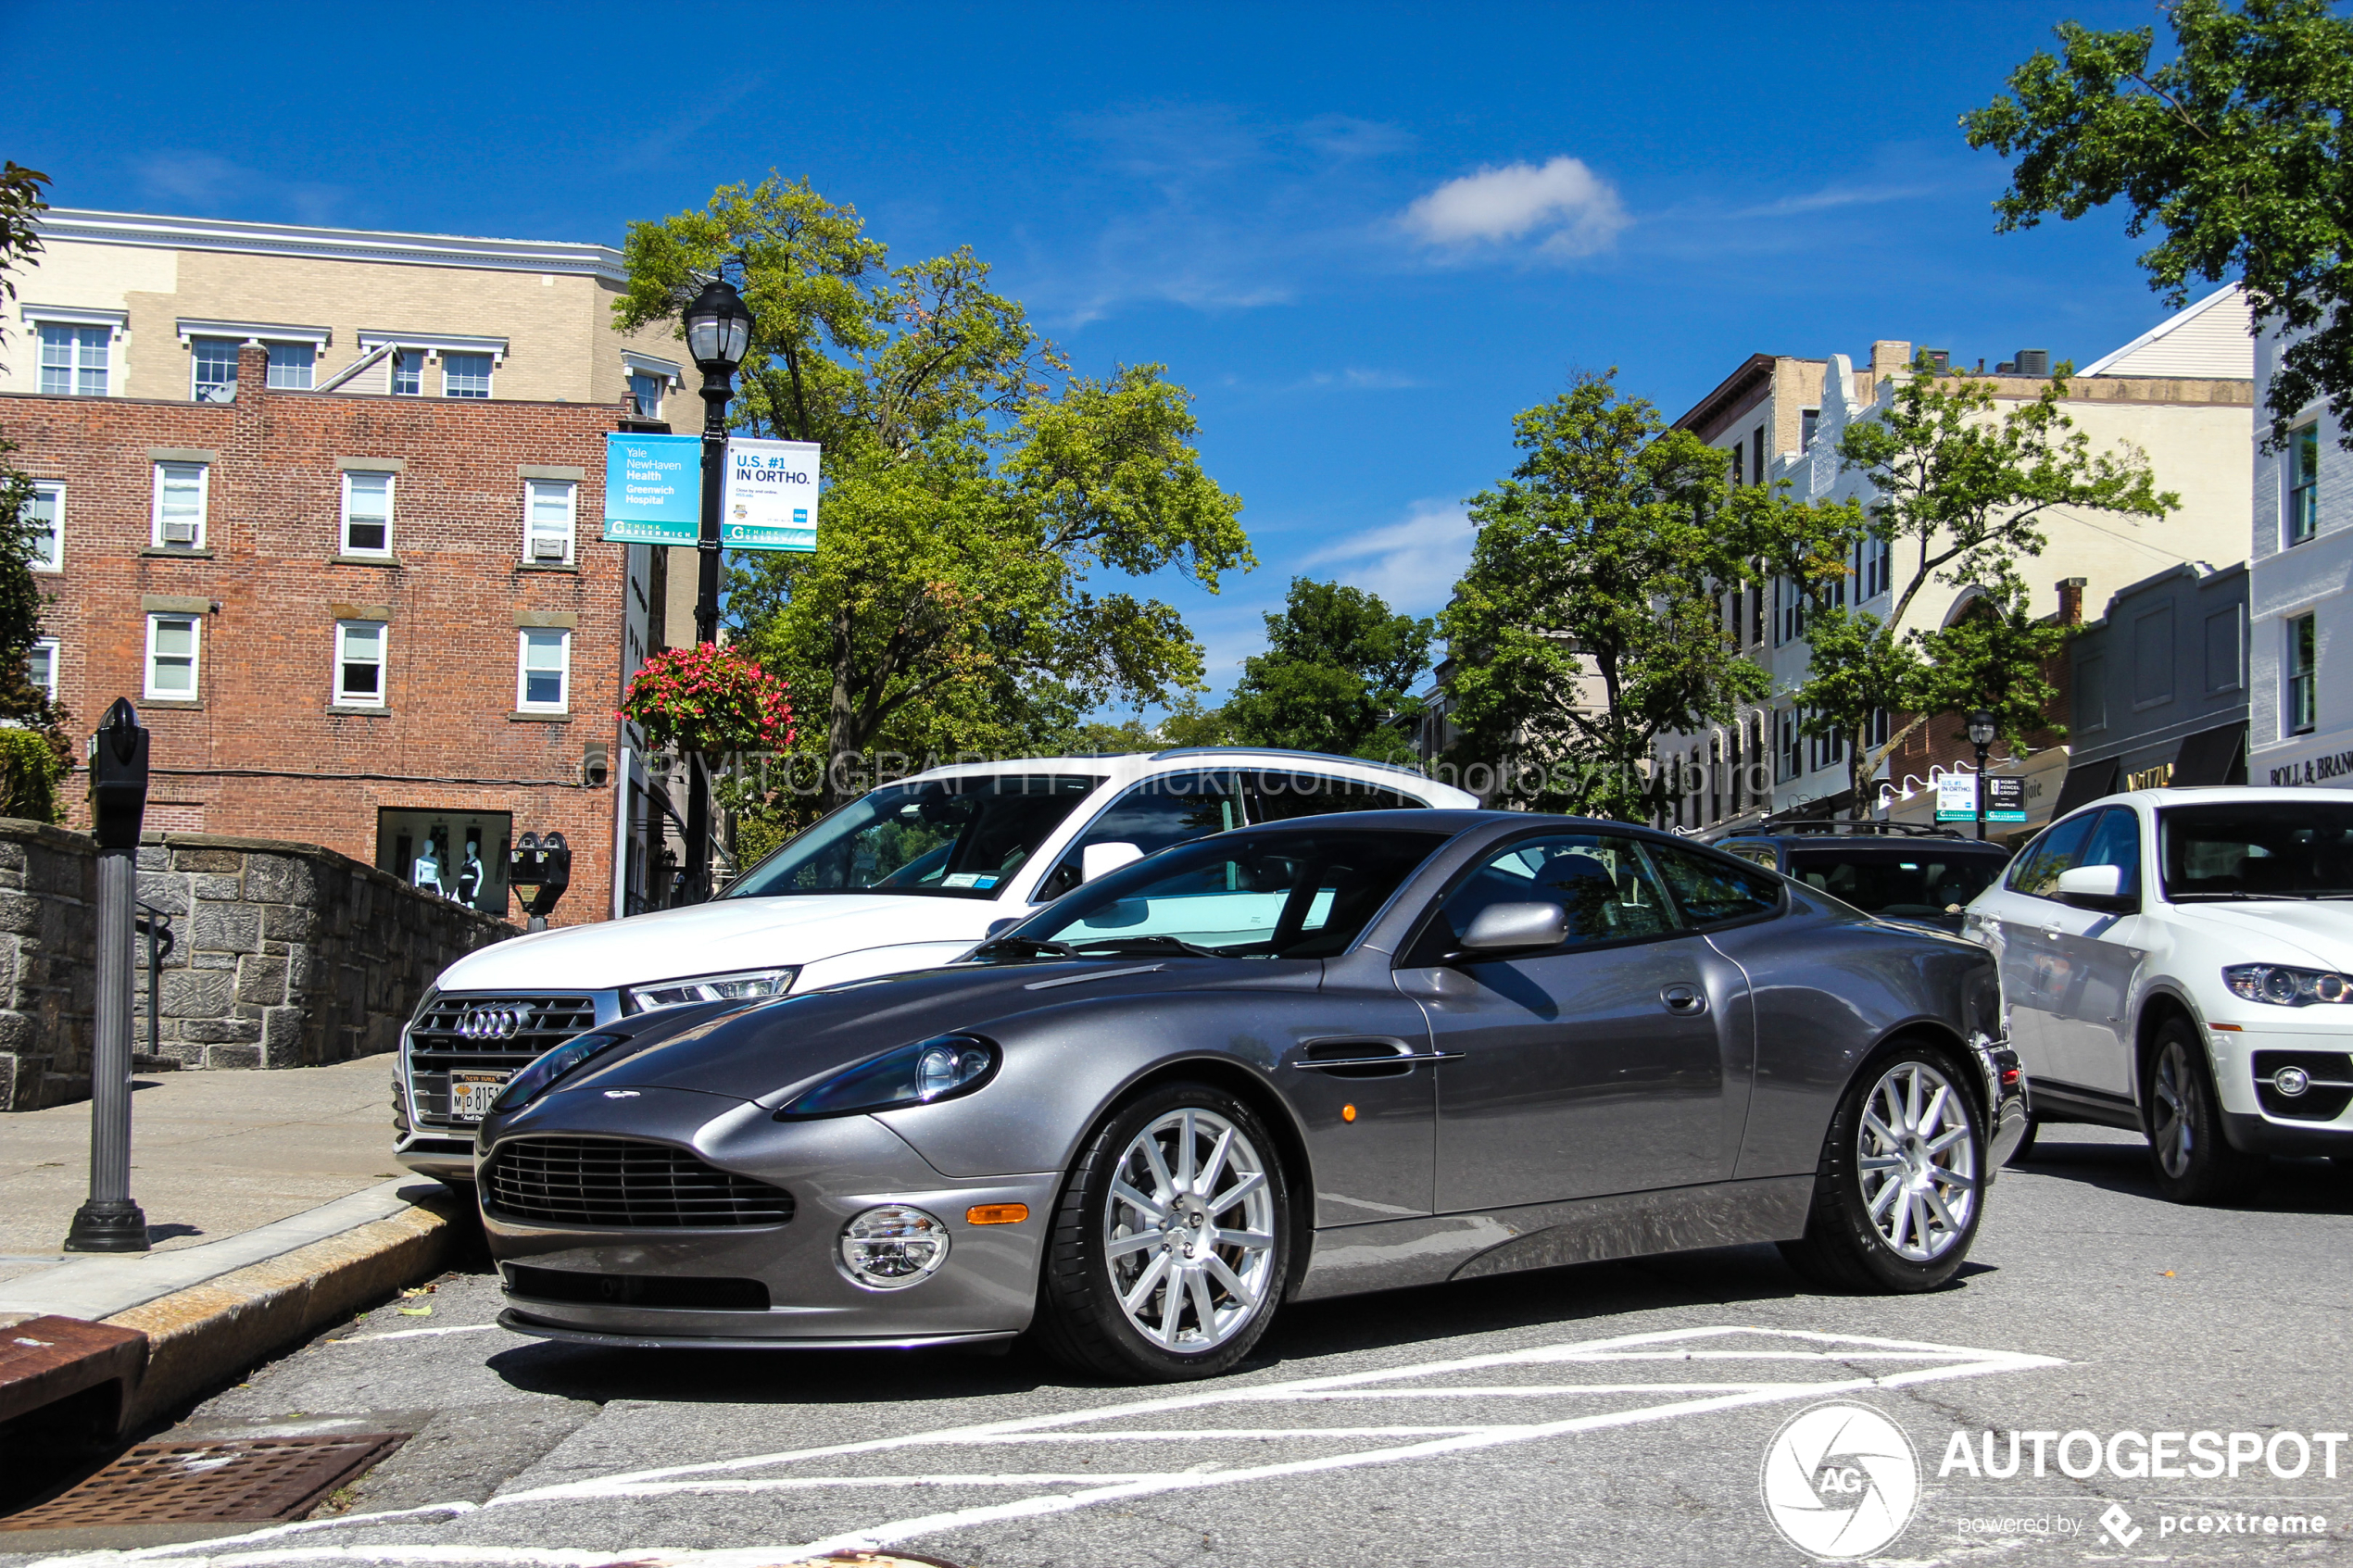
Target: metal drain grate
[(199, 1482)]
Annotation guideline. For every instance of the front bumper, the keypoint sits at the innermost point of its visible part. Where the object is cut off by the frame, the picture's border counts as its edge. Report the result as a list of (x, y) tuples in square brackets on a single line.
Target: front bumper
[(2257, 1116), (834, 1170)]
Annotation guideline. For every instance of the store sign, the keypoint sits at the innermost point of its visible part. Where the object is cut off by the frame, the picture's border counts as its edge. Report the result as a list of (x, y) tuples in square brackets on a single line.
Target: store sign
[(1957, 798), (2333, 768), (653, 489), (2006, 798), (771, 500)]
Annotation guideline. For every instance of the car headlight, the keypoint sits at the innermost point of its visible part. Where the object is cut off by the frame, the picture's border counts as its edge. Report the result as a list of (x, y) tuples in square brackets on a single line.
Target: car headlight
[(922, 1074), (2284, 987), (544, 1069), (743, 985)]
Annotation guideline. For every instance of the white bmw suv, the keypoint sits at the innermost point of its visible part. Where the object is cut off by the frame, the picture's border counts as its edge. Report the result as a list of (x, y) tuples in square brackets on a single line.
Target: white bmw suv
[(2179, 962), (908, 876)]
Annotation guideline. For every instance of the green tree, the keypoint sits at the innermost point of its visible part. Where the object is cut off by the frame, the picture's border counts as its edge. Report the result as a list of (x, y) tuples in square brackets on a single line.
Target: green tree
[(1336, 676), (1594, 565), (21, 202), (2236, 148), (1959, 495), (979, 498), (28, 784)]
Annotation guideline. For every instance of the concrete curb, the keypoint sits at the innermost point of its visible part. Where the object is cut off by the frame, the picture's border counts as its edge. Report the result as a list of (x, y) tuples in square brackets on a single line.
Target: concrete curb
[(203, 1335)]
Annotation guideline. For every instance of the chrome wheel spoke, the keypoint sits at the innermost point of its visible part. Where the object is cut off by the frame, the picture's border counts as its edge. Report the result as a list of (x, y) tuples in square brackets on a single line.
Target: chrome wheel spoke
[(1185, 1168), (1216, 1163), (1140, 1292), (1250, 1241), (1885, 1200), (1915, 1161), (1230, 1280), (1204, 1310), (1881, 1130), (1163, 1184), (1240, 1192), (1122, 1193), (1121, 1246), (1186, 1296)]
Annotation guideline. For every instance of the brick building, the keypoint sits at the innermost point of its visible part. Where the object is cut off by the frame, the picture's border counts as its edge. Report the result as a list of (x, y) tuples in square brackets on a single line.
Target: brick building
[(380, 624)]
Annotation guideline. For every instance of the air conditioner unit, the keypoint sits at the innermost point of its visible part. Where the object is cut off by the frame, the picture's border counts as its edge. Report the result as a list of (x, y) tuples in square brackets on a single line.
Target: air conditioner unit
[(179, 531), (542, 547)]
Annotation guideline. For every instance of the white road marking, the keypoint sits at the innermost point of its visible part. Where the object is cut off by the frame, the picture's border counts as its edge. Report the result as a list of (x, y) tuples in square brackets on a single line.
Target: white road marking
[(1052, 1490), (416, 1333)]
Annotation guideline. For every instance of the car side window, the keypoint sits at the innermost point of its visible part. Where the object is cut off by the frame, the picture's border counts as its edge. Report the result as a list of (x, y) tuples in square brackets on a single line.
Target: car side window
[(2116, 841), (1715, 891), (1759, 854), (1173, 808), (1280, 796), (1602, 881), (2060, 849)]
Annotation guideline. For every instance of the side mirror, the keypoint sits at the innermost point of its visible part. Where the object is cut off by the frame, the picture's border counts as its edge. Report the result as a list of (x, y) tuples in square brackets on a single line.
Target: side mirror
[(1102, 859), (2096, 887), (1504, 928), (998, 927)]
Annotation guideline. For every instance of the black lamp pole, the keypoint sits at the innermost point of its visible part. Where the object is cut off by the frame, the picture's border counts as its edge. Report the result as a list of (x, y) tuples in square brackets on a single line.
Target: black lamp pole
[(718, 332), (1981, 735)]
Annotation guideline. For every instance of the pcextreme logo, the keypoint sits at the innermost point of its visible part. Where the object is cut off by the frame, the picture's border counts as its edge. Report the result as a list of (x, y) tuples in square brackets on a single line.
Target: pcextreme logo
[(1840, 1481)]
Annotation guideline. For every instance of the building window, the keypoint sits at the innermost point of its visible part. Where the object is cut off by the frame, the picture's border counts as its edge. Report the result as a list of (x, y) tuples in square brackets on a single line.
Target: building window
[(1756, 606), (1808, 420), (41, 666), (1756, 456), (1879, 567), (46, 527), (2302, 665), (408, 372), (171, 657), (1790, 752), (465, 375), (543, 679), (367, 514), (1789, 619), (179, 505), (647, 391), (291, 363), (2303, 483), (73, 360), (548, 521), (1737, 478), (360, 663), (213, 369)]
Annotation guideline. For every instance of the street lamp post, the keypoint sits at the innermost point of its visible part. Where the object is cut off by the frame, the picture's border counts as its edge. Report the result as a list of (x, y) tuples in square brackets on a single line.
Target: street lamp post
[(718, 332), (1981, 735)]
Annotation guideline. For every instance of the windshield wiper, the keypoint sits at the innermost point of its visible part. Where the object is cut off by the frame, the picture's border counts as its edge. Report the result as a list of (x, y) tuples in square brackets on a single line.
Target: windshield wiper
[(1150, 945), (2239, 897), (1024, 946)]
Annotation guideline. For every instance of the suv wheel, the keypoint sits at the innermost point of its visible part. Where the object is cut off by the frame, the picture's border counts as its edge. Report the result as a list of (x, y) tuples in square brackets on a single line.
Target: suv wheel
[(2194, 1162)]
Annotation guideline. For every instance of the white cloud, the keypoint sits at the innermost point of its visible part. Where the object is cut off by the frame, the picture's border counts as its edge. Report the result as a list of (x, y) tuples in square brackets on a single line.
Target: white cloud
[(1576, 209), (194, 180), (1412, 564)]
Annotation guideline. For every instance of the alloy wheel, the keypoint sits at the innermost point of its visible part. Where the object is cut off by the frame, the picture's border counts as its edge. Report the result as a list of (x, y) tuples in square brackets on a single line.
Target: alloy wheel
[(1190, 1231), (1917, 1162), (2172, 1137)]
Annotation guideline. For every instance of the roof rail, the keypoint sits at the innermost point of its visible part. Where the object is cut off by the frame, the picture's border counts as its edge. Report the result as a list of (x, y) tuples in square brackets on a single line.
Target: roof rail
[(1831, 829), (1284, 751)]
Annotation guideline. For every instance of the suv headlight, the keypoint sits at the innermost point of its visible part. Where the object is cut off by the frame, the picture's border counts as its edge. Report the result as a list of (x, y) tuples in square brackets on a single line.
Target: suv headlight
[(2284, 987), (922, 1074), (742, 985)]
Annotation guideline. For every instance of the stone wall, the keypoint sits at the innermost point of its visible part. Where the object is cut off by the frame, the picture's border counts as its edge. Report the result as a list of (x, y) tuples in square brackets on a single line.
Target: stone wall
[(283, 955)]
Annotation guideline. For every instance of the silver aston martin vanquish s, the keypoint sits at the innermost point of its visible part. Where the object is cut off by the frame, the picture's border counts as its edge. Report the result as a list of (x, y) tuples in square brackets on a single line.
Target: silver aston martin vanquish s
[(1333, 1055)]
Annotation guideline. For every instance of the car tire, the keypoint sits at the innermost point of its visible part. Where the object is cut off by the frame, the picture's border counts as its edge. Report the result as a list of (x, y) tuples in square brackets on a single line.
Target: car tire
[(1132, 1258), (2192, 1158), (1900, 1186)]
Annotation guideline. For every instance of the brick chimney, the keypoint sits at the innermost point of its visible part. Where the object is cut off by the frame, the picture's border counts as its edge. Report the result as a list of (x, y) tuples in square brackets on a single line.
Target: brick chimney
[(2070, 595), (1889, 355)]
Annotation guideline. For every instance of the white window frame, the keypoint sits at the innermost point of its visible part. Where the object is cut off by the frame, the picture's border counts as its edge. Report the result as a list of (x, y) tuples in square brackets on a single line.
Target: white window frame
[(523, 634), (345, 698), (309, 370), (487, 380), (196, 387), (204, 507), (392, 370), (55, 490), (196, 657), (531, 489), (342, 537), (55, 651), (109, 322)]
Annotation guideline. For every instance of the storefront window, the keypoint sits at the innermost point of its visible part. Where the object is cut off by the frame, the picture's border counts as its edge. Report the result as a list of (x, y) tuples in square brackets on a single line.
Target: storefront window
[(459, 855)]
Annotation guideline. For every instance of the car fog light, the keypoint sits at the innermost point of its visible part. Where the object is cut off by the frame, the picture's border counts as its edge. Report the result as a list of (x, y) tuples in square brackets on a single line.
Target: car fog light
[(893, 1246), (2290, 1081)]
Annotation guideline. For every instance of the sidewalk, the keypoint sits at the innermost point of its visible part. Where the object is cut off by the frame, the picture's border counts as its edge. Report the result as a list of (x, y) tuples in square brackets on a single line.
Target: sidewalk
[(212, 1155)]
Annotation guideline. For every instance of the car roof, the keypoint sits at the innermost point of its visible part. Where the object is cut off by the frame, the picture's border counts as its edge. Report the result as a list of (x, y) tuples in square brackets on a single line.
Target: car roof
[(1123, 767), (1868, 840)]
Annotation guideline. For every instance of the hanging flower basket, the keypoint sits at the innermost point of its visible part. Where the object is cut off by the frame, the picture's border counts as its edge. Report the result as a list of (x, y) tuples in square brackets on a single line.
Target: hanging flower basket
[(708, 699)]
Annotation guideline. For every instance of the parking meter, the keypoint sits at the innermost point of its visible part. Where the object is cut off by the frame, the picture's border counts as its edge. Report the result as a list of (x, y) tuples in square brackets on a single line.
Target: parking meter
[(119, 778), (544, 867)]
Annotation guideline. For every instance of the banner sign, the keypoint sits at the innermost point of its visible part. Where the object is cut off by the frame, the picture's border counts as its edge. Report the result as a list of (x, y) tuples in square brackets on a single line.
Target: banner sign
[(771, 500), (2006, 798), (653, 489), (1957, 798)]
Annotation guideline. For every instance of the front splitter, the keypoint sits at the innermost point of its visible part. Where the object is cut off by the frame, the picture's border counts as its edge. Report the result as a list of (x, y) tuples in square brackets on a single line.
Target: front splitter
[(517, 1323)]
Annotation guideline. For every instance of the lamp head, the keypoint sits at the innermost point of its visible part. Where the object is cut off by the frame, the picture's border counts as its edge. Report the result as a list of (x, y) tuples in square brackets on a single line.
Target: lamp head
[(1981, 729), (718, 327)]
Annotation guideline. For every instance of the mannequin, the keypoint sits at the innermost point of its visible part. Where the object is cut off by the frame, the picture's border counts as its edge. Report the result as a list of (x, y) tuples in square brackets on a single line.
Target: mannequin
[(470, 876), (426, 873)]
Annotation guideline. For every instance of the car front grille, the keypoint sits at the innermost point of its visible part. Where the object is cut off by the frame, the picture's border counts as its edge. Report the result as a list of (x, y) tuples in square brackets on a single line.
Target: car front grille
[(577, 1181), (484, 1034)]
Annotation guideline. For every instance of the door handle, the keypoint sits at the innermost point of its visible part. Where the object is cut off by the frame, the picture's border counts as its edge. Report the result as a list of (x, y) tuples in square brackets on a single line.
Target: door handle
[(1683, 1000), (1400, 1060)]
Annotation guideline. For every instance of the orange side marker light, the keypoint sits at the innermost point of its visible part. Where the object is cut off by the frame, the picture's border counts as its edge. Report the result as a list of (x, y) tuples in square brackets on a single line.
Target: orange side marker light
[(1348, 1113), (997, 1213)]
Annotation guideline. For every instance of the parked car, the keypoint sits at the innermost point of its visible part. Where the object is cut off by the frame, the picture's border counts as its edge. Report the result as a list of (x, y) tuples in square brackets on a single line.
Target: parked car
[(1290, 1062), (2179, 962), (906, 877), (1893, 869)]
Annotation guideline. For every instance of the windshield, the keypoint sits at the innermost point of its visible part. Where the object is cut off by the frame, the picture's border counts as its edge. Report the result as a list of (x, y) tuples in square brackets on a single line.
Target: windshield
[(2256, 850), (1913, 884), (1287, 895), (946, 838)]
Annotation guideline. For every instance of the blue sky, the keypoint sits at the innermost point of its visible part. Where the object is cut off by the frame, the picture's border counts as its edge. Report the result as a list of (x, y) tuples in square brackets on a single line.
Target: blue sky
[(1364, 236)]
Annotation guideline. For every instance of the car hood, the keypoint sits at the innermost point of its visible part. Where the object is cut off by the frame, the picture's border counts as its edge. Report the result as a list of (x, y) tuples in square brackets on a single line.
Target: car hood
[(768, 1052), (2298, 931), (726, 933)]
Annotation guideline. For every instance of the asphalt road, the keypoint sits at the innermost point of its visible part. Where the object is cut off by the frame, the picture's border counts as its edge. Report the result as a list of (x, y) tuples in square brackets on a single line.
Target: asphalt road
[(1617, 1413)]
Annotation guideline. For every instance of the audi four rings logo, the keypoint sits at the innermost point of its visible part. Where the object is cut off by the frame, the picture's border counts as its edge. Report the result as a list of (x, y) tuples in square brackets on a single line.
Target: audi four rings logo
[(490, 1023)]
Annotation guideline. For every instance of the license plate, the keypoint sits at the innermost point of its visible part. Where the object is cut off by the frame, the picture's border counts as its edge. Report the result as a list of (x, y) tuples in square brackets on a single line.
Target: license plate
[(471, 1094)]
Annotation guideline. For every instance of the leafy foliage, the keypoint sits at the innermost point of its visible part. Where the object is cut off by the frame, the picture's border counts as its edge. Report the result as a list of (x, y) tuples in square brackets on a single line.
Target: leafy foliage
[(19, 201), (976, 492), (2236, 148), (1595, 559), (1336, 676), (29, 770), (708, 699)]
